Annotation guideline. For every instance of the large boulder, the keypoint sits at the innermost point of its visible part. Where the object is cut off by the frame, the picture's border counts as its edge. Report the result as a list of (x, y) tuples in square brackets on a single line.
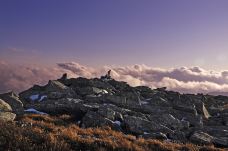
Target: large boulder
[(119, 86), (13, 100), (193, 119), (201, 109), (59, 106), (221, 142), (201, 138), (94, 119), (225, 120), (156, 135), (107, 112), (142, 111), (29, 95), (5, 107), (90, 91), (117, 100), (168, 120), (179, 136), (189, 108), (216, 131), (145, 92), (6, 111), (54, 85), (157, 100), (53, 90), (138, 125), (7, 116), (56, 90), (80, 82)]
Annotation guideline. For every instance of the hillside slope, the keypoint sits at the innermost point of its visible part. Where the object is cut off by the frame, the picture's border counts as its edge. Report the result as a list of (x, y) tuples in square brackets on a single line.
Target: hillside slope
[(103, 113)]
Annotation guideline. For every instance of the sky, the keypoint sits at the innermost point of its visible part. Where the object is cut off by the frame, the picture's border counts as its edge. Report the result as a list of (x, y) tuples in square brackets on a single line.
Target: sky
[(159, 33), (166, 34)]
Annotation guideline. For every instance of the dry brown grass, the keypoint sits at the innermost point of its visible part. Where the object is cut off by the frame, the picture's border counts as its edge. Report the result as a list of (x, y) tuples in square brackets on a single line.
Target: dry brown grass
[(46, 133)]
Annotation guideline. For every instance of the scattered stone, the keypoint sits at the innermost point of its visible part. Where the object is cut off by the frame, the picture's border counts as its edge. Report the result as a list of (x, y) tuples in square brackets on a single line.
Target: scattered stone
[(141, 111)]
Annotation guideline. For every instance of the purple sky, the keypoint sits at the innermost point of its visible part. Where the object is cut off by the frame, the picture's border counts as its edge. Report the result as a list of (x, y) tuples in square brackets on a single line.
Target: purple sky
[(159, 33)]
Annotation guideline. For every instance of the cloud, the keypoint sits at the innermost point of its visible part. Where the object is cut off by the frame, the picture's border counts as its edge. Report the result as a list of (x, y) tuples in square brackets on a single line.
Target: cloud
[(183, 79), (21, 77), (77, 69), (14, 50)]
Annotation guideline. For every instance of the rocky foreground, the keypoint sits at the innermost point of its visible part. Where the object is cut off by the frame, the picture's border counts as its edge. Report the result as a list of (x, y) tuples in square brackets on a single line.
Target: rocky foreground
[(139, 111)]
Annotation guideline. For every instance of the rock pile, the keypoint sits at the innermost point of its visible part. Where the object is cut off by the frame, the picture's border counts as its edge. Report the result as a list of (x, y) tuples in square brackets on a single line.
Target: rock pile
[(141, 111)]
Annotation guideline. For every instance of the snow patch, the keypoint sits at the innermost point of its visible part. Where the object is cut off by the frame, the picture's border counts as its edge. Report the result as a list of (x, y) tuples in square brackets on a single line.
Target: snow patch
[(105, 91), (42, 98), (117, 122), (32, 110), (99, 95), (144, 102), (183, 119), (34, 97)]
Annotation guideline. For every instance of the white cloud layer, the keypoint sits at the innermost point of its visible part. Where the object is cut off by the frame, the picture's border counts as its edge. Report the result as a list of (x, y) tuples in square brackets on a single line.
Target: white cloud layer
[(187, 80)]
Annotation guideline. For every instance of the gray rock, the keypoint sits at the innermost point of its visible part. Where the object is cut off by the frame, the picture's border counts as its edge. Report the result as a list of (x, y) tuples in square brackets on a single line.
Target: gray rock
[(225, 121), (107, 112), (88, 91), (167, 120), (53, 90), (55, 95), (157, 100), (178, 136), (186, 108), (201, 138), (138, 125), (55, 86), (7, 116), (216, 131), (188, 118), (205, 112), (221, 142), (5, 107), (141, 111), (117, 100), (13, 100), (58, 106), (200, 106), (156, 135), (94, 119)]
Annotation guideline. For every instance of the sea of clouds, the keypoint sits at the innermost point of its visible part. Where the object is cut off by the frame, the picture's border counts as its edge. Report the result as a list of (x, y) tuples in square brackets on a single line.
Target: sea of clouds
[(183, 79)]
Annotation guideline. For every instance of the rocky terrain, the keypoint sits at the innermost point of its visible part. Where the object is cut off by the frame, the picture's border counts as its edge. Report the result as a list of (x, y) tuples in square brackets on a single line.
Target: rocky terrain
[(137, 111)]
